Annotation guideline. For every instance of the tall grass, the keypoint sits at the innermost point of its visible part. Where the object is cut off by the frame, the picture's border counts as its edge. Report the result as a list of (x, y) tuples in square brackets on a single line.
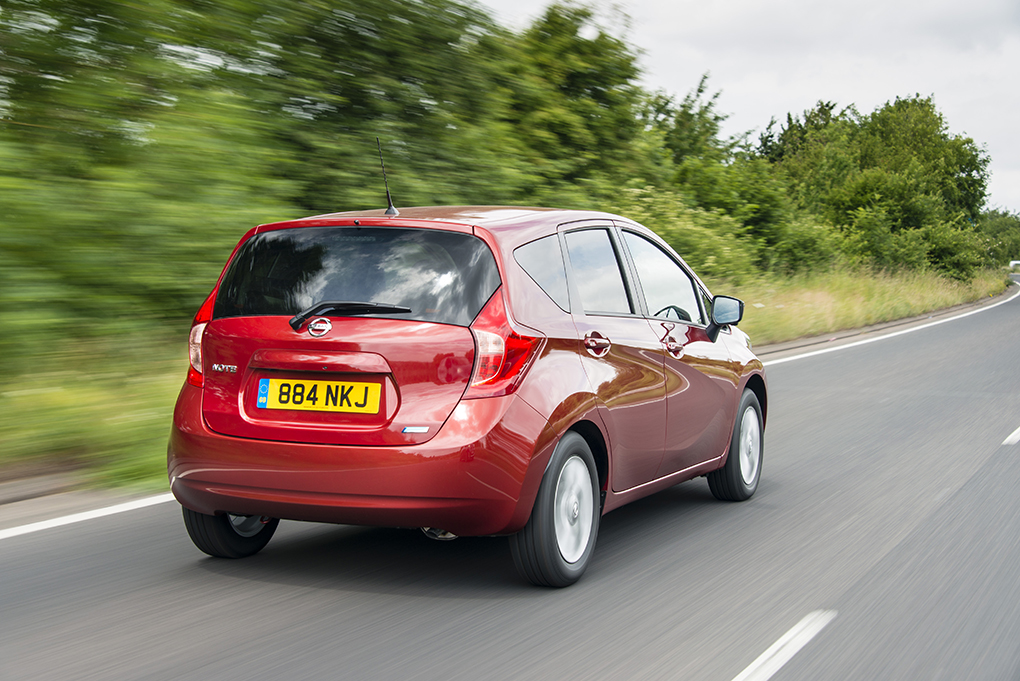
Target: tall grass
[(780, 309), (104, 408), (102, 413)]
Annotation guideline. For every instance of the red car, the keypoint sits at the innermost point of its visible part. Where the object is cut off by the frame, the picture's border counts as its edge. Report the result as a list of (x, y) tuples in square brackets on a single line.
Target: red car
[(466, 370)]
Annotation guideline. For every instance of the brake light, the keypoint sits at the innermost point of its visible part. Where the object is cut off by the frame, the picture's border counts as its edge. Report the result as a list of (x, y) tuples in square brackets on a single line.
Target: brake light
[(198, 325), (502, 355)]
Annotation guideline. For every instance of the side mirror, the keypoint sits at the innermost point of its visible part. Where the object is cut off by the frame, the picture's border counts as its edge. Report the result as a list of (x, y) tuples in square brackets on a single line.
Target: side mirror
[(725, 310)]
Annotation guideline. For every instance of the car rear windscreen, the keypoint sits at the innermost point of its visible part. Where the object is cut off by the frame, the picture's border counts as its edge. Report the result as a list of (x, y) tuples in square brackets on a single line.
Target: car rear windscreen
[(441, 276)]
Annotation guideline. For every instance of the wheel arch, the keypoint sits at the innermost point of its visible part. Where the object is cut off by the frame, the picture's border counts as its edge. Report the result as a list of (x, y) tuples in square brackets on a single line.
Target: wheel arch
[(597, 443), (756, 384)]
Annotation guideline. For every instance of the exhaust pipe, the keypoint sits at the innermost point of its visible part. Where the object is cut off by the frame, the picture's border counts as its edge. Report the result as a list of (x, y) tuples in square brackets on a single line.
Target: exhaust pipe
[(438, 534)]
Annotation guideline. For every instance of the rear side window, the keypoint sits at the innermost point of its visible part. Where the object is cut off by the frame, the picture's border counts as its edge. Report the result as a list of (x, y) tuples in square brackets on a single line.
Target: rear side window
[(543, 262), (443, 277)]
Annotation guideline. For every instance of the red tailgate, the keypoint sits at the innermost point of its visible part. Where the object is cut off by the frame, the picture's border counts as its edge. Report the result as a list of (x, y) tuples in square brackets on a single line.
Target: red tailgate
[(417, 385)]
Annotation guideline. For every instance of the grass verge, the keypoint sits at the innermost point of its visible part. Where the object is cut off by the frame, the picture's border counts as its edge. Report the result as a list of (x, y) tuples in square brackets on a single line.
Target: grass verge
[(781, 309), (105, 412), (103, 417)]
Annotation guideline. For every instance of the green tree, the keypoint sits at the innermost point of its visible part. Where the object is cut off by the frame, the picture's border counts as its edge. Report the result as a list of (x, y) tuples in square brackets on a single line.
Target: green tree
[(691, 128), (774, 145), (910, 137), (718, 174), (904, 189), (128, 172), (1000, 230), (334, 75), (572, 94)]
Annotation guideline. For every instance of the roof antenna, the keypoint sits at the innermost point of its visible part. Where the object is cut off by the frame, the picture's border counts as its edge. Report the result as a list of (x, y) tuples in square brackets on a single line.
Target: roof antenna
[(391, 210)]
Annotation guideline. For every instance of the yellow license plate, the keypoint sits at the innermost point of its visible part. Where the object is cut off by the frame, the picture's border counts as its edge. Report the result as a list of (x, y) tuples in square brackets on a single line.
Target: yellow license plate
[(342, 396)]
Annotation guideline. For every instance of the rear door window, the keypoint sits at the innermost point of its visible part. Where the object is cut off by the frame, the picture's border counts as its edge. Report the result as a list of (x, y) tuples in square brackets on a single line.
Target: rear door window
[(441, 276), (596, 270)]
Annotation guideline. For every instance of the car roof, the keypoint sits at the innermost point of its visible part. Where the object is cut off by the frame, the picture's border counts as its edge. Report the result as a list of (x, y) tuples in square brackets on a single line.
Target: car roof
[(482, 216), (490, 217), (511, 225)]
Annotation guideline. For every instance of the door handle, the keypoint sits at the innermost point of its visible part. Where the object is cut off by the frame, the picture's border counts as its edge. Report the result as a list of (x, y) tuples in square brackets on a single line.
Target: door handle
[(673, 347), (596, 344)]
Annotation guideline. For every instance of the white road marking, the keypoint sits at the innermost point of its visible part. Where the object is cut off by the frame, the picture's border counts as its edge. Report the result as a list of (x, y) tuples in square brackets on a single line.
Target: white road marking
[(823, 351), (86, 515), (1013, 438), (780, 652)]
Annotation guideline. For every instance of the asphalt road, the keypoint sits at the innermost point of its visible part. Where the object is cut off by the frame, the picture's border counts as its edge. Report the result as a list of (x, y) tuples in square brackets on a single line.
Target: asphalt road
[(887, 496)]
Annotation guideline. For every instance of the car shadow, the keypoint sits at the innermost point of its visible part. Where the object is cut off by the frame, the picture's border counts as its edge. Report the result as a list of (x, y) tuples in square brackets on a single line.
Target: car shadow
[(405, 562), (379, 560)]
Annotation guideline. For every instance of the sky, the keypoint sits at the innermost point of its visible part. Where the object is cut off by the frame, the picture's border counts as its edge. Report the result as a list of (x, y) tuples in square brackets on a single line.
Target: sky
[(783, 56)]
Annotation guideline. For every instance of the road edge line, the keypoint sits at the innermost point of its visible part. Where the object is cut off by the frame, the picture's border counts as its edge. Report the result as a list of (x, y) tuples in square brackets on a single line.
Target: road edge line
[(783, 650), (901, 332), (86, 515)]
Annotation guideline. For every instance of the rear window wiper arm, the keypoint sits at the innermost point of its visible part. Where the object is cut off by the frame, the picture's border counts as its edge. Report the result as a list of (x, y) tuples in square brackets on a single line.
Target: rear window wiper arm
[(344, 307)]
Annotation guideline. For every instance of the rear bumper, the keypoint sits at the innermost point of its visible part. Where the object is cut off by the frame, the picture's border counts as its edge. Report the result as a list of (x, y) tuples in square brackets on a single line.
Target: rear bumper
[(473, 478)]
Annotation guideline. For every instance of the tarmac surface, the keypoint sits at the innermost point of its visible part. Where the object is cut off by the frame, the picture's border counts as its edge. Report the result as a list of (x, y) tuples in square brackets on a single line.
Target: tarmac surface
[(886, 525)]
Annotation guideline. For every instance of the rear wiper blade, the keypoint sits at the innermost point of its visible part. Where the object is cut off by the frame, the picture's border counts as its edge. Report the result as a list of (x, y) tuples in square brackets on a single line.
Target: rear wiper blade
[(344, 307)]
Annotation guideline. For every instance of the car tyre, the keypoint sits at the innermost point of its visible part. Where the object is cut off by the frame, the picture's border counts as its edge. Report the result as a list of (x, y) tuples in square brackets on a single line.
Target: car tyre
[(556, 545), (738, 479), (229, 536)]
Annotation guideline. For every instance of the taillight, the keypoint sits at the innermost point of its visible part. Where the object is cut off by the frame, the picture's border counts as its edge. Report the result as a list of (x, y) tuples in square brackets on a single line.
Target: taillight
[(198, 325), (502, 355)]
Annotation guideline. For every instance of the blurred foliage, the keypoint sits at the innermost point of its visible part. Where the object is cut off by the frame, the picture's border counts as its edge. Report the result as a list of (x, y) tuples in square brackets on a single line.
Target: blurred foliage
[(138, 142), (710, 241)]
